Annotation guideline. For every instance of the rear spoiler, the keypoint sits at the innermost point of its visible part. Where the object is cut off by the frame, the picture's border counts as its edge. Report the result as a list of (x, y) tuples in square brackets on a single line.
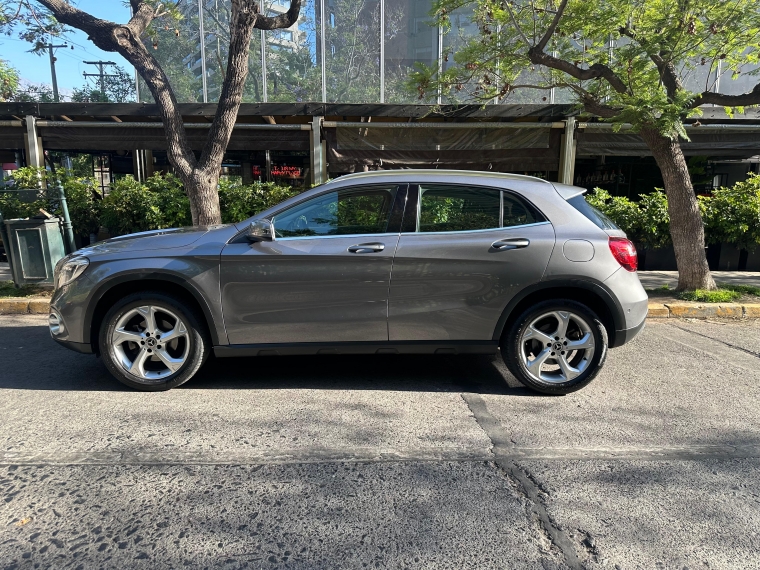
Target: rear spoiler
[(567, 191)]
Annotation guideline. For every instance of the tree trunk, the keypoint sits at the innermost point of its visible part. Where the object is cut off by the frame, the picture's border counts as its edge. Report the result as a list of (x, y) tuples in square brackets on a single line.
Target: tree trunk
[(201, 176), (686, 227)]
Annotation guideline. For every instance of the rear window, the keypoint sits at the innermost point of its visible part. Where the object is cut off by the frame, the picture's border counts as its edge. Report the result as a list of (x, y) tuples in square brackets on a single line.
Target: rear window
[(599, 219)]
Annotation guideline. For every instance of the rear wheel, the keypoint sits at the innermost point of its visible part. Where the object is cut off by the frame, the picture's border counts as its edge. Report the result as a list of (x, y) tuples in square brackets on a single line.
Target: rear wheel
[(555, 347), (152, 341)]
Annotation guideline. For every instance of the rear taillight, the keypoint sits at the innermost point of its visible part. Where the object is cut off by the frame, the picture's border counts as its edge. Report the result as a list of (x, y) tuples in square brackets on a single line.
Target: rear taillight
[(624, 252)]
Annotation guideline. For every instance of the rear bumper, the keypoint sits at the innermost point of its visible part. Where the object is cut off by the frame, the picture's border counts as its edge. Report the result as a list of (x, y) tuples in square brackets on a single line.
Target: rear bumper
[(627, 335)]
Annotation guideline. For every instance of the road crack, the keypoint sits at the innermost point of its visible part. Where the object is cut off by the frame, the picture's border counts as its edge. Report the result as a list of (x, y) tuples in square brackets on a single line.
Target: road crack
[(533, 493)]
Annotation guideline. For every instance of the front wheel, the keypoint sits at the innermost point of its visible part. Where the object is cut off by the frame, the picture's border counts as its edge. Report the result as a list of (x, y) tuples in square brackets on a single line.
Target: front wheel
[(555, 347), (152, 342)]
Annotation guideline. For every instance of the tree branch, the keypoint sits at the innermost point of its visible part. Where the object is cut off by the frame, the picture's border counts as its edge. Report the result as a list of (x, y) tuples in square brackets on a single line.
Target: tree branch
[(668, 72), (541, 45), (598, 70), (743, 100), (280, 21)]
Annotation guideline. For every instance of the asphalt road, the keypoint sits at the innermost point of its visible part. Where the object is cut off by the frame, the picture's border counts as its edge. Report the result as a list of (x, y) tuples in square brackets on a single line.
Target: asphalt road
[(385, 462)]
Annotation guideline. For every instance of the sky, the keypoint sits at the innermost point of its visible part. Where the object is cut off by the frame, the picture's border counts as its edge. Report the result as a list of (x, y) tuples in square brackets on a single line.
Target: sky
[(70, 63)]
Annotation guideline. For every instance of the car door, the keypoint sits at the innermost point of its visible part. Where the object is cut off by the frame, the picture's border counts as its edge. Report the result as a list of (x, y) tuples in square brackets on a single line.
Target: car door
[(460, 260), (325, 276)]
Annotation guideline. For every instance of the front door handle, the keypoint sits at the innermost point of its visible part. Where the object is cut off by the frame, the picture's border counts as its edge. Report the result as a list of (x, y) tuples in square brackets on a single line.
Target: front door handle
[(511, 243), (367, 247)]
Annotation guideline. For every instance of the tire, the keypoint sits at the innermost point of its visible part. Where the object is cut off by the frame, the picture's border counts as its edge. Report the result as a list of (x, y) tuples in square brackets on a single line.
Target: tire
[(537, 334), (128, 341)]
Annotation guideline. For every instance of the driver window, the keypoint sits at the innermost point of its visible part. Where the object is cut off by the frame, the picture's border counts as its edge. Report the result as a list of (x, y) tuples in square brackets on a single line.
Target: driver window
[(344, 212)]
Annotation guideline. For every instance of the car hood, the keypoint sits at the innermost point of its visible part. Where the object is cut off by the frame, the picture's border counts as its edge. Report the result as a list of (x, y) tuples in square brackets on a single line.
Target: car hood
[(155, 239)]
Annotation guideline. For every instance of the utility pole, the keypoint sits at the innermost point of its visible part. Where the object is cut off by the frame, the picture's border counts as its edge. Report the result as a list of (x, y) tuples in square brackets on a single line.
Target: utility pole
[(50, 48), (101, 74)]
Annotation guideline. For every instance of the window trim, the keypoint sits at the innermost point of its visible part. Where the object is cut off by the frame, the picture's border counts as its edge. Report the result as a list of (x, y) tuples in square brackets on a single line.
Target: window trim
[(415, 191), (398, 188)]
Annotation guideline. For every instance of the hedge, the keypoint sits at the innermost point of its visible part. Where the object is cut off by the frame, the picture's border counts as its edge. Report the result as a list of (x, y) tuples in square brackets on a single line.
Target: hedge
[(132, 206), (730, 215)]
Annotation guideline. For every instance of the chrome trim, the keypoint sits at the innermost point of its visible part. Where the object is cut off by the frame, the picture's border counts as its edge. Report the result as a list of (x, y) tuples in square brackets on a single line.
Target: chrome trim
[(337, 236), (476, 231)]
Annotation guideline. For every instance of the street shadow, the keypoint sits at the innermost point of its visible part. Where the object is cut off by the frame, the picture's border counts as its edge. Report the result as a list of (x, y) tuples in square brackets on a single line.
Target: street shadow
[(30, 360)]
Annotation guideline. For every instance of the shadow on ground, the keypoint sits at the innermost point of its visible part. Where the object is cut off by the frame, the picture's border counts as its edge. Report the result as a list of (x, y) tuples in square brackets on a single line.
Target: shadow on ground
[(30, 360)]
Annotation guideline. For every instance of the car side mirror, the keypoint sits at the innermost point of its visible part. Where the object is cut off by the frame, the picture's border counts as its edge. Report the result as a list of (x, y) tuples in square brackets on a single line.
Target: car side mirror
[(261, 230)]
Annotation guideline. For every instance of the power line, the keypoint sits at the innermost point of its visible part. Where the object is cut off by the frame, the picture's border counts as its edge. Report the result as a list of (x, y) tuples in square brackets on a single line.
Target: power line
[(101, 73)]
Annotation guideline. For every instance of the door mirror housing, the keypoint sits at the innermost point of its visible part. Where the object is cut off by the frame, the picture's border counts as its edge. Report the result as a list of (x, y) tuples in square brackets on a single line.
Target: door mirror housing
[(261, 230)]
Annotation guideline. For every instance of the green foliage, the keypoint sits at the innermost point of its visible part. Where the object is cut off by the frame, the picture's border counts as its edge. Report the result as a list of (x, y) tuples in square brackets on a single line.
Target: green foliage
[(704, 296), (171, 200), (161, 202), (8, 80), (238, 201), (119, 88), (130, 207), (732, 215), (645, 222), (637, 45), (81, 198), (8, 289), (742, 289)]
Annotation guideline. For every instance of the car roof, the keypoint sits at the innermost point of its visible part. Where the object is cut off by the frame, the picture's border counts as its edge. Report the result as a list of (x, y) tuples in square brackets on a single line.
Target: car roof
[(435, 174)]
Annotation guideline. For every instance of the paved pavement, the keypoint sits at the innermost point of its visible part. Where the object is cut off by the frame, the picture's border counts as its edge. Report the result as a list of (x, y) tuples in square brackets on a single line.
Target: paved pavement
[(654, 279), (387, 462)]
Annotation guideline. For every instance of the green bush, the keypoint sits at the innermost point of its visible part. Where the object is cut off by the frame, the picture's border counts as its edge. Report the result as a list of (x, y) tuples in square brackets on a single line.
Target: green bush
[(82, 200), (130, 207), (161, 202), (645, 222), (732, 215), (704, 296), (171, 200), (238, 201)]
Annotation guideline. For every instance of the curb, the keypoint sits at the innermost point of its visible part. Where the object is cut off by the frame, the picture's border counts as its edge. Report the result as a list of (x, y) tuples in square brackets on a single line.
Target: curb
[(37, 306), (21, 306), (703, 311)]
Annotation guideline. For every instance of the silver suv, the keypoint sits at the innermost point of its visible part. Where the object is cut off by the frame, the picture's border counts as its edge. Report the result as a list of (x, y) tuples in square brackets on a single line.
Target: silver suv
[(398, 262)]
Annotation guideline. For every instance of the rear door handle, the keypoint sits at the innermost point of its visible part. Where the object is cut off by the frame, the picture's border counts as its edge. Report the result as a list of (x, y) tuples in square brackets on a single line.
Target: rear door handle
[(511, 243), (367, 247)]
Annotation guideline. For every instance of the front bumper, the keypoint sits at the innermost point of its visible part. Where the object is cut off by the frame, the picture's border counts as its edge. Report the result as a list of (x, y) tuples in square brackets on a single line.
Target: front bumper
[(82, 347)]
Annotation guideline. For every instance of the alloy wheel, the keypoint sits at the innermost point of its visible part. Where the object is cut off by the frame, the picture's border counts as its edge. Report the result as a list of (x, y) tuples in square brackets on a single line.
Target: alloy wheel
[(556, 347), (151, 343)]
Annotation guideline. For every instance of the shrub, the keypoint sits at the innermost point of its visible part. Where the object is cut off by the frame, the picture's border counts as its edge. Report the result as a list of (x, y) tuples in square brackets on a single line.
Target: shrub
[(732, 215), (704, 296), (130, 207), (81, 198), (238, 201), (171, 200), (645, 222)]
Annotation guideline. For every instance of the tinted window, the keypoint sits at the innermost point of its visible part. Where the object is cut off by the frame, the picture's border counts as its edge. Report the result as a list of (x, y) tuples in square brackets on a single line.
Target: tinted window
[(517, 212), (601, 221), (456, 208), (343, 212)]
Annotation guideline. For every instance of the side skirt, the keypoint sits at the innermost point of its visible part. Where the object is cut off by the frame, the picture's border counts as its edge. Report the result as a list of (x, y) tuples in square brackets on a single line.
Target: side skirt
[(309, 348)]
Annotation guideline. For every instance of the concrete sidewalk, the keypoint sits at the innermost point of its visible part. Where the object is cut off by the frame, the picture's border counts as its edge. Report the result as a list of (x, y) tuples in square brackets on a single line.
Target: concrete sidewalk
[(655, 279)]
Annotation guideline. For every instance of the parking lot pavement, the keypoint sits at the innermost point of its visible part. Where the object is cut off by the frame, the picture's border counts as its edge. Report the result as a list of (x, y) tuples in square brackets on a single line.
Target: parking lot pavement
[(395, 462)]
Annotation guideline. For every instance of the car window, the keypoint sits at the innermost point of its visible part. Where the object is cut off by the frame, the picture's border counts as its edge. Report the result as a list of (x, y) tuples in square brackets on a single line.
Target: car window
[(343, 212), (518, 212), (458, 208), (600, 220)]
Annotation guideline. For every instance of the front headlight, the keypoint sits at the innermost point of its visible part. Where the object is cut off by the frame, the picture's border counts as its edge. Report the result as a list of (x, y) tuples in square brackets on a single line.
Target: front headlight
[(69, 270)]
